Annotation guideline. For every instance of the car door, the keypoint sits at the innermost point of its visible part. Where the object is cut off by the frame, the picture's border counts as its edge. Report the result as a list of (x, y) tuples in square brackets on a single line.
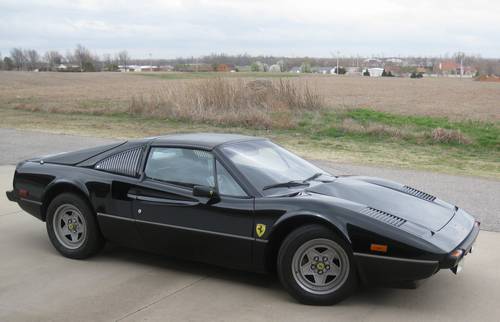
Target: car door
[(172, 220)]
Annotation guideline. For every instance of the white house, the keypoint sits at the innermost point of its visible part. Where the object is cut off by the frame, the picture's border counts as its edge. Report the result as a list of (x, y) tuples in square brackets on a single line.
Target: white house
[(275, 68), (375, 71)]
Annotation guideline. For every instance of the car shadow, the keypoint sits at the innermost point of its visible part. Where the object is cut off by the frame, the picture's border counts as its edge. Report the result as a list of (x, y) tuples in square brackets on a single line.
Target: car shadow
[(269, 283)]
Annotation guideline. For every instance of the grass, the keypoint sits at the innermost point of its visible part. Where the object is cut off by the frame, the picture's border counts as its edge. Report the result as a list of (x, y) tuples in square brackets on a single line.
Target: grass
[(370, 125), (325, 144), (291, 111), (204, 75)]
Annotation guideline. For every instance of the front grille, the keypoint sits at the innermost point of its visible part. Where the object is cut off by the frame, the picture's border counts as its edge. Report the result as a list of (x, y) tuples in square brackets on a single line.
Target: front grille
[(418, 193), (383, 216), (126, 162)]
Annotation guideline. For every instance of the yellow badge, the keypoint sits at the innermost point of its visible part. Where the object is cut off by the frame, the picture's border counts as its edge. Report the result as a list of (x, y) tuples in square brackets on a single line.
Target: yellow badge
[(260, 229)]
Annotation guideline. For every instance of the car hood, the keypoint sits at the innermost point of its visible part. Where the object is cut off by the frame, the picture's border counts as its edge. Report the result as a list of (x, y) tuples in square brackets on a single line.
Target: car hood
[(390, 197)]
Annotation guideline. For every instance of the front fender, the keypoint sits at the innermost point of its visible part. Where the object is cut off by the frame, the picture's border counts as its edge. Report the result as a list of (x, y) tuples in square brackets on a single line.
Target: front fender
[(312, 217)]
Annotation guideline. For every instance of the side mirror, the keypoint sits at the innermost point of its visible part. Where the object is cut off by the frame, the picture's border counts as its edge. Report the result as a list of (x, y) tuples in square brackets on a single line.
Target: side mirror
[(204, 191)]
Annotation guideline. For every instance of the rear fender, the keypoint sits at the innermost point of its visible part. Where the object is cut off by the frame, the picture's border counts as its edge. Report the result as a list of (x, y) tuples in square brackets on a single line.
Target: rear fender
[(57, 187)]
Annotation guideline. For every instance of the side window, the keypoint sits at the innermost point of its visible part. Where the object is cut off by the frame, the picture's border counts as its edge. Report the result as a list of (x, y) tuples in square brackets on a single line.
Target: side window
[(227, 185), (181, 166)]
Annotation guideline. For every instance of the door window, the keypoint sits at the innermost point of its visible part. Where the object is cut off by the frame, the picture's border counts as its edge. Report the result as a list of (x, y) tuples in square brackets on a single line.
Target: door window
[(186, 167), (226, 183)]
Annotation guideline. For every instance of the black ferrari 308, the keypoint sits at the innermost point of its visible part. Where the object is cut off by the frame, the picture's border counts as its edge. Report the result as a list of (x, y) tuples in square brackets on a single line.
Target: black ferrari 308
[(246, 203)]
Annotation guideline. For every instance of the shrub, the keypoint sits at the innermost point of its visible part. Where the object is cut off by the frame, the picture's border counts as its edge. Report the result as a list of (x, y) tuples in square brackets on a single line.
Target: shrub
[(258, 103), (441, 135)]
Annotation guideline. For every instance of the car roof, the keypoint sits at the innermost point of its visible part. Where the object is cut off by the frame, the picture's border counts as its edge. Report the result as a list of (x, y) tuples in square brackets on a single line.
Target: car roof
[(206, 141)]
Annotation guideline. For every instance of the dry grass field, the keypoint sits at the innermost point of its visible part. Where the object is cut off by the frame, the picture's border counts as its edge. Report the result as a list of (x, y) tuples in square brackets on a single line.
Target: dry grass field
[(94, 92), (446, 125)]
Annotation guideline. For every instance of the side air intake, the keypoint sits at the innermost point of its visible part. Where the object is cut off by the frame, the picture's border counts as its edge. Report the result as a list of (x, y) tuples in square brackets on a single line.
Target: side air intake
[(383, 216), (126, 163), (418, 193)]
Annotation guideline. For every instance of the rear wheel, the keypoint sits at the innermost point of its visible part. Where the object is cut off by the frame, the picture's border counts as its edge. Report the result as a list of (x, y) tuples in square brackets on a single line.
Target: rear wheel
[(72, 227), (315, 266)]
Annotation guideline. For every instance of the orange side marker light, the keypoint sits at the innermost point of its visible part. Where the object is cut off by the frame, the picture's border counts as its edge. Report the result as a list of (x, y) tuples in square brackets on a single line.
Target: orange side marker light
[(378, 248)]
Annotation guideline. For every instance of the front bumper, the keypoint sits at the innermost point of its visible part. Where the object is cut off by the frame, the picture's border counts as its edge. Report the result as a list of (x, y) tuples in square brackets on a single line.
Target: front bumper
[(465, 247), (381, 269)]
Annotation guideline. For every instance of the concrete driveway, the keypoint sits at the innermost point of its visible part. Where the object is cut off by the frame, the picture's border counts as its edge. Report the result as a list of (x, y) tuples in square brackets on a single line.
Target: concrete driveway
[(36, 283)]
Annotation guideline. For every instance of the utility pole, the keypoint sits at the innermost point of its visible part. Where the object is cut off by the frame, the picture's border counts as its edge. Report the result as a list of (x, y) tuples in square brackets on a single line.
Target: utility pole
[(461, 66), (338, 53), (151, 61)]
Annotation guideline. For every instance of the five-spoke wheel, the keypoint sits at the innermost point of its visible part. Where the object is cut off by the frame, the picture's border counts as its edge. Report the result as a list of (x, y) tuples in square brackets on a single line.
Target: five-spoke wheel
[(72, 226), (315, 265), (320, 266), (69, 226)]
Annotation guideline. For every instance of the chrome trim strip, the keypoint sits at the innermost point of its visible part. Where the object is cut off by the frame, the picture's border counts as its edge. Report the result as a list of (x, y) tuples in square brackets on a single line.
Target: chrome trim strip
[(31, 201), (409, 260), (181, 227), (115, 217), (162, 200)]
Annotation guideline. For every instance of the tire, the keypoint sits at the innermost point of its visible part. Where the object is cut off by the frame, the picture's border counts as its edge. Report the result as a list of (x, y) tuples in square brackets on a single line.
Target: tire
[(316, 266), (72, 227)]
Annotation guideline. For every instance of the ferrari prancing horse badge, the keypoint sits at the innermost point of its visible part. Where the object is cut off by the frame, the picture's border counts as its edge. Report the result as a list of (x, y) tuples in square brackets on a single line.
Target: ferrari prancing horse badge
[(260, 229)]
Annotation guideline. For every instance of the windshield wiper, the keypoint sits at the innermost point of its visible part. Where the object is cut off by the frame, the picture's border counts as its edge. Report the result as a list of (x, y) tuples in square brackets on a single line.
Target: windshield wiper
[(289, 184), (314, 176)]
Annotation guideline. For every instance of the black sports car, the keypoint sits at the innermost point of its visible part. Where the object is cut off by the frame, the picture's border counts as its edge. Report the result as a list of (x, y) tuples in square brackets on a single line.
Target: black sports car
[(244, 202)]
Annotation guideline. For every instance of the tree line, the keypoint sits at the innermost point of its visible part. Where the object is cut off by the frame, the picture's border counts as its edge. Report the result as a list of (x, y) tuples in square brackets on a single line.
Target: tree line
[(83, 60), (80, 59)]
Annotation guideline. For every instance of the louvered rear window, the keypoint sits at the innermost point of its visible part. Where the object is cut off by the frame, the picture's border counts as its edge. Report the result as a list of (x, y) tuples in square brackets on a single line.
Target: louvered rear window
[(126, 163)]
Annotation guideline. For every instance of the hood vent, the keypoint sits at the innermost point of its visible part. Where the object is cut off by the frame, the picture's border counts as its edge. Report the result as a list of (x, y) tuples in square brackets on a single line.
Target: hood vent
[(418, 193), (383, 216)]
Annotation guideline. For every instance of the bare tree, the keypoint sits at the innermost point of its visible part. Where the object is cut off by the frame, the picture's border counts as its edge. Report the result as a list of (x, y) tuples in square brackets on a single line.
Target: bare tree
[(82, 56), (18, 58), (32, 58), (123, 58), (53, 58)]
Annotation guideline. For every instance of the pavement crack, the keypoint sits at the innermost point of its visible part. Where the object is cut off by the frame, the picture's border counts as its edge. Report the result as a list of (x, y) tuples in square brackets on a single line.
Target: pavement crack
[(162, 298)]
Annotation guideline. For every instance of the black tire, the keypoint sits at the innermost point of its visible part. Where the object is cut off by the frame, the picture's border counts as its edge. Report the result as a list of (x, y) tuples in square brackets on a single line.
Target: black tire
[(285, 266), (92, 241)]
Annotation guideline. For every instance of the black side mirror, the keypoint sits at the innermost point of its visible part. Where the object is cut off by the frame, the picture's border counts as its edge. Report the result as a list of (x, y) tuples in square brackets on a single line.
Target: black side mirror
[(204, 191)]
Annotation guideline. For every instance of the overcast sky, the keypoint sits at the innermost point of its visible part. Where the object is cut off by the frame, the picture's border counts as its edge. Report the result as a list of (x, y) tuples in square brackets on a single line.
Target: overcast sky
[(172, 28)]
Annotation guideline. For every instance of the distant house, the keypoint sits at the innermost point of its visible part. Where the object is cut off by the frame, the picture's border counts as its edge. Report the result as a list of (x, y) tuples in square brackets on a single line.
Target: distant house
[(394, 60), (295, 69), (322, 70), (68, 68), (375, 71), (372, 63), (450, 68), (166, 68), (393, 69), (275, 68), (148, 68), (223, 68)]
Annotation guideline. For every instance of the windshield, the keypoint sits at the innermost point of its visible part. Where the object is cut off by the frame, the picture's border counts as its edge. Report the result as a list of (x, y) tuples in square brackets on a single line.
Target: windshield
[(266, 164)]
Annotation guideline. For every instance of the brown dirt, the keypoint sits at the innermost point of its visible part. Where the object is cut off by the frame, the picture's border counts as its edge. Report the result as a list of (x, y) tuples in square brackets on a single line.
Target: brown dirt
[(486, 78), (95, 92)]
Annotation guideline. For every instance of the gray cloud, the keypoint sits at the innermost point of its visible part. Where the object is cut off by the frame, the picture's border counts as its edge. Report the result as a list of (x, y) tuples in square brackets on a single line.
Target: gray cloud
[(313, 27)]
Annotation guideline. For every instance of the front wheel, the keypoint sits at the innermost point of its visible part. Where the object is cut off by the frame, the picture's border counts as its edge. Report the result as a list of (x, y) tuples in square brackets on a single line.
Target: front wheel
[(315, 266), (72, 227)]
